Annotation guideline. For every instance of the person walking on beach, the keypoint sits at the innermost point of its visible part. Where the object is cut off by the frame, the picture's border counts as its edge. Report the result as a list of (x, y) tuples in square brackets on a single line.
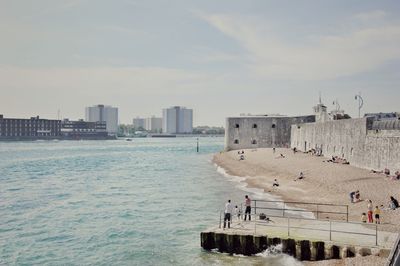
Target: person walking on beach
[(228, 214), (370, 211), (247, 204), (275, 184)]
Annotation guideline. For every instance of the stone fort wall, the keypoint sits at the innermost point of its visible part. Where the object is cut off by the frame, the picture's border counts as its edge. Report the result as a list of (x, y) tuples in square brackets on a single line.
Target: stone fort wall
[(352, 139), (247, 132)]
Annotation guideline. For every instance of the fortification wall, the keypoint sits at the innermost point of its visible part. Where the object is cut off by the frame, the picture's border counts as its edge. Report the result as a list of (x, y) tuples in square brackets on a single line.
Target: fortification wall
[(260, 131), (350, 139)]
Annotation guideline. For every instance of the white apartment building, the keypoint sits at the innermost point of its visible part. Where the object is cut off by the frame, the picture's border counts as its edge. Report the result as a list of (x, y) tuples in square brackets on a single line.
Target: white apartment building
[(101, 113), (153, 124), (177, 120), (139, 122)]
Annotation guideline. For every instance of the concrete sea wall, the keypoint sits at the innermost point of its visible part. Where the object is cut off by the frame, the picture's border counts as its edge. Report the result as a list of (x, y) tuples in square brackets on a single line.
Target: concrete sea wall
[(352, 139)]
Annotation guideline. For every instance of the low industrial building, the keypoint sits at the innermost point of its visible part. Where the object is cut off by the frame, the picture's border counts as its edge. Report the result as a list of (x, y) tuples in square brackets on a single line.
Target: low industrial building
[(29, 129), (83, 130)]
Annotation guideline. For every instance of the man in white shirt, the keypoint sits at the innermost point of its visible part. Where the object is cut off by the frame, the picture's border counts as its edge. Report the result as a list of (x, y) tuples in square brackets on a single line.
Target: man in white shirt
[(228, 213)]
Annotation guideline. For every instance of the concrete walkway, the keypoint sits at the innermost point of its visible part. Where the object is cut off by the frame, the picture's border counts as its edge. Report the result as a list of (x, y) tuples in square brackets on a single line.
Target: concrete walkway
[(329, 231)]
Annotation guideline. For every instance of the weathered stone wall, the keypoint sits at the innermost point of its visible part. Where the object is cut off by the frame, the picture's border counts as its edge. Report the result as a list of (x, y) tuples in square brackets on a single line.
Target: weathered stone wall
[(351, 139), (260, 131)]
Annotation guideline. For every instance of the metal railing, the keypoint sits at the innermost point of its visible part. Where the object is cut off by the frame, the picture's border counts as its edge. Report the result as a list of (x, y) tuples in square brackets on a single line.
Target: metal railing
[(394, 256), (316, 208), (289, 227)]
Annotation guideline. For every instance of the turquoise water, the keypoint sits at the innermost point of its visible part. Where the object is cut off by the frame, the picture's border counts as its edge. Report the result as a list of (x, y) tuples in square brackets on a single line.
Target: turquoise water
[(143, 202)]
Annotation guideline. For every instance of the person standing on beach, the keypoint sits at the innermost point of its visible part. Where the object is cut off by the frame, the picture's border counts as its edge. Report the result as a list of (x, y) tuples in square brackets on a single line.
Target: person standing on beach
[(377, 213), (247, 204), (228, 214), (370, 212)]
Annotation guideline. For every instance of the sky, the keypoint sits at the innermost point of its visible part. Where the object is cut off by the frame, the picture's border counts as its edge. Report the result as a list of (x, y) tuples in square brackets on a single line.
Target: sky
[(221, 58)]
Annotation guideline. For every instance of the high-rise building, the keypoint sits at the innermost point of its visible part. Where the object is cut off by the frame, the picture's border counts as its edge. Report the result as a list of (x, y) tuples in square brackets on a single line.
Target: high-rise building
[(153, 124), (101, 113), (177, 119), (139, 122)]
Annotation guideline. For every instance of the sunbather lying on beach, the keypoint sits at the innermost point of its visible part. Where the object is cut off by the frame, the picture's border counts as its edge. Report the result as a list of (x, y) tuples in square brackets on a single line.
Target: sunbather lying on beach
[(301, 176)]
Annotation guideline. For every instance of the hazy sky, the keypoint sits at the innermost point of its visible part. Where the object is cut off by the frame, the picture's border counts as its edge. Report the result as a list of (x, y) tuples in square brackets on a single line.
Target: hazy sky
[(221, 58)]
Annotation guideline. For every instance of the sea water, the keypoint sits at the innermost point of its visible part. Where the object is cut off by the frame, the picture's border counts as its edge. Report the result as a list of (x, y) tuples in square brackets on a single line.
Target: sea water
[(140, 202)]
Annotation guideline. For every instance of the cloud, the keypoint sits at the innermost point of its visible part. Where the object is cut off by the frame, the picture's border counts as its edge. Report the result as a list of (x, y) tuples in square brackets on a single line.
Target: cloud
[(326, 56), (106, 80), (373, 15)]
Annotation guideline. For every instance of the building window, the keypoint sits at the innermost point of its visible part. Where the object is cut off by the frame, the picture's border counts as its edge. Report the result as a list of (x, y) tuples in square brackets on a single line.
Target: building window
[(273, 125), (236, 141), (254, 141), (254, 125), (334, 148), (236, 125), (351, 152)]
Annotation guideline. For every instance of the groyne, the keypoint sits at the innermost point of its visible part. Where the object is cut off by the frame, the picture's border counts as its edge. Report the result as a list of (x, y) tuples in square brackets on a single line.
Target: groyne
[(304, 250)]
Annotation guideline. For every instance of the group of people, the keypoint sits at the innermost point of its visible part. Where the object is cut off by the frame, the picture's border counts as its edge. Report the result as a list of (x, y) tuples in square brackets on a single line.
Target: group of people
[(231, 211), (386, 172), (241, 155), (372, 213), (336, 159), (315, 152)]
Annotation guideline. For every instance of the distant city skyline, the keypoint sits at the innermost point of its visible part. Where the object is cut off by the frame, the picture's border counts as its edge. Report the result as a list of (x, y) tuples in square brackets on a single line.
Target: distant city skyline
[(221, 58)]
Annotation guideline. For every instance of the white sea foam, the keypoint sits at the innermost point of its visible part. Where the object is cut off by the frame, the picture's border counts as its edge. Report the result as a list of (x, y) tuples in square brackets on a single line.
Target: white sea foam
[(257, 193), (260, 194), (274, 254)]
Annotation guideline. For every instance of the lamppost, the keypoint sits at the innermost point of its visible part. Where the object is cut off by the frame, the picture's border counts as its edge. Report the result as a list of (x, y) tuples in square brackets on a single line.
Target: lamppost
[(360, 103)]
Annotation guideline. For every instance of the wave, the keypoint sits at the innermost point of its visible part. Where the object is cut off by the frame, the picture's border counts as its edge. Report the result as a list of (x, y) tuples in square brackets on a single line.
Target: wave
[(260, 194), (275, 256), (257, 193)]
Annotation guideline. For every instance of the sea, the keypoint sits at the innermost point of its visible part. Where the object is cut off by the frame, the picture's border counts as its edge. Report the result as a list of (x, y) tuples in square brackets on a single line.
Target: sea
[(116, 202)]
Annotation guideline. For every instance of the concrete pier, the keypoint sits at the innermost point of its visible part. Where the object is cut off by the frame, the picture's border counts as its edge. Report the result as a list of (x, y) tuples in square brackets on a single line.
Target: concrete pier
[(250, 238)]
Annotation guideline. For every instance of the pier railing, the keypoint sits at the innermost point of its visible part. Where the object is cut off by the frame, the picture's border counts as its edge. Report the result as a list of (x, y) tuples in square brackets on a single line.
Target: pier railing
[(323, 229), (296, 209)]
